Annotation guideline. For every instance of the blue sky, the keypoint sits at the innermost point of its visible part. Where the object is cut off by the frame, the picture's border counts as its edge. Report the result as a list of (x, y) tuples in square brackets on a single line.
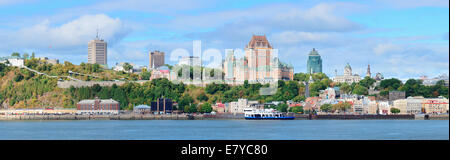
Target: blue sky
[(402, 38)]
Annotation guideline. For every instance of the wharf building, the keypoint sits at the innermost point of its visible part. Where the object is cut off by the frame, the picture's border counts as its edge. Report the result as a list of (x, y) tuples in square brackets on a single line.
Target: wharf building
[(156, 59), (97, 52), (314, 63), (162, 106), (98, 106), (259, 65)]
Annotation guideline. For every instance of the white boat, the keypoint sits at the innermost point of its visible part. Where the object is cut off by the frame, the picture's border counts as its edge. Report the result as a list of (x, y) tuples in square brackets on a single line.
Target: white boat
[(262, 114)]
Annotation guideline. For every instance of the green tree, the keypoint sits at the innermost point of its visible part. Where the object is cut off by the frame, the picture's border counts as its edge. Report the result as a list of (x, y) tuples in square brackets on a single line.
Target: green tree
[(360, 90), (395, 110), (206, 108), (298, 109), (345, 88), (25, 55), (15, 54), (202, 97), (145, 75), (390, 84), (18, 78), (193, 108), (127, 67), (326, 107), (282, 107), (367, 82)]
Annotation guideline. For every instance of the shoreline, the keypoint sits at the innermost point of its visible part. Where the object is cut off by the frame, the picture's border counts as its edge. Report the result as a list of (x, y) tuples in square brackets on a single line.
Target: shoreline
[(213, 117)]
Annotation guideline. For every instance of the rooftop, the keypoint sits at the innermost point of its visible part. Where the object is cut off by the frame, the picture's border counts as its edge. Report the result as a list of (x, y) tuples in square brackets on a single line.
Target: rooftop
[(259, 41)]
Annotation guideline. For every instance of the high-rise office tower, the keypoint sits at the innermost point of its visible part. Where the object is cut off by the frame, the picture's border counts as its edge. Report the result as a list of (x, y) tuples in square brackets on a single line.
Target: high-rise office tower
[(156, 59), (314, 64), (97, 51)]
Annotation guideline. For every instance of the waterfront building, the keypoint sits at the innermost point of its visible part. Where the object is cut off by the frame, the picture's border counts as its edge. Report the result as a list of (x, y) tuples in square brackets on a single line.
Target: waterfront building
[(410, 105), (241, 104), (190, 61), (373, 107), (348, 77), (435, 105), (384, 107), (156, 59), (314, 63), (401, 105), (260, 64), (162, 106), (219, 107), (141, 109), (98, 106), (13, 61), (97, 52)]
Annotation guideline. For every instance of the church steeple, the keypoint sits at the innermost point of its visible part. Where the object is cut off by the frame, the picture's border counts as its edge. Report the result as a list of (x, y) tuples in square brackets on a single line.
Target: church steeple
[(368, 71)]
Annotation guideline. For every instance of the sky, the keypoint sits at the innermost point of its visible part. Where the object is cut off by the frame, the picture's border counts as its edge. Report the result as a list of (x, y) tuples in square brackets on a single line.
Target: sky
[(402, 39)]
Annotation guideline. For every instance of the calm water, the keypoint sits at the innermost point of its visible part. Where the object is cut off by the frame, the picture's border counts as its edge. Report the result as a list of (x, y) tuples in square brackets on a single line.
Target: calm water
[(228, 129)]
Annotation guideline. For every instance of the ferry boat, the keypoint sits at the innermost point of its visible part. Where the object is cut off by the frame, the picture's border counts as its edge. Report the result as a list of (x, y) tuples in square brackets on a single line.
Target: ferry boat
[(264, 114)]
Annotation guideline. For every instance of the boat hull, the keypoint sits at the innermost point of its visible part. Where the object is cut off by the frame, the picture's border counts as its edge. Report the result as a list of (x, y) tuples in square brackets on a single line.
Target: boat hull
[(269, 118)]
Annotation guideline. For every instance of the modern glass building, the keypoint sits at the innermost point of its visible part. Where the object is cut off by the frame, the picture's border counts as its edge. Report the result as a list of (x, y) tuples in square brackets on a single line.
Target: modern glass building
[(314, 64)]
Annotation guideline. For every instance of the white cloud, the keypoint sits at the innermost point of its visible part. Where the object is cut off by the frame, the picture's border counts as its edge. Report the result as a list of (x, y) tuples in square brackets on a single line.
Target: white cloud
[(321, 17), (385, 48), (415, 3), (10, 2), (75, 33), (293, 37)]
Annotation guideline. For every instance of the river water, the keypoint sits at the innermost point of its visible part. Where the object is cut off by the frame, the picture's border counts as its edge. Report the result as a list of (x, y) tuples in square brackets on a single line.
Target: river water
[(226, 130)]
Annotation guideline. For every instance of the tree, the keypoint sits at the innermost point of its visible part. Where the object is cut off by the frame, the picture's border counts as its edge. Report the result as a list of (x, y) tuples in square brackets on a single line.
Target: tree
[(299, 98), (193, 108), (390, 84), (25, 55), (395, 110), (282, 107), (206, 108), (127, 67), (342, 106), (367, 82), (145, 75), (298, 109), (326, 107), (18, 78), (15, 54), (202, 97), (360, 90), (302, 77), (345, 88)]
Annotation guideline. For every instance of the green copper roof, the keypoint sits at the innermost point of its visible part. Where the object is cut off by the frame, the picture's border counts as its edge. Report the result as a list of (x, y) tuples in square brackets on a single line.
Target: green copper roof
[(314, 52), (347, 66)]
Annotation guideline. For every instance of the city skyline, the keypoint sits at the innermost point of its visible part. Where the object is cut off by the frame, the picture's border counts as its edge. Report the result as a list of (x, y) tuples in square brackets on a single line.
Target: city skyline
[(402, 39)]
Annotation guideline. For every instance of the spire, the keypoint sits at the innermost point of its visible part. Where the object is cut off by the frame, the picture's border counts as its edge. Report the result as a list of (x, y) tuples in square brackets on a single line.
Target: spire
[(368, 71)]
